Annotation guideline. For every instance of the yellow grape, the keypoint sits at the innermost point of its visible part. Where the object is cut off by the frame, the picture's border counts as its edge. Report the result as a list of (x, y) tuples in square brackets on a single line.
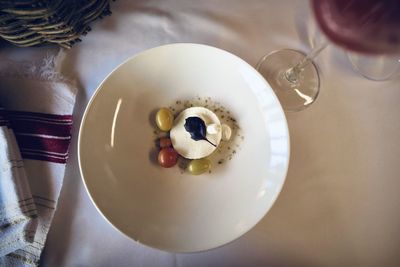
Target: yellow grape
[(164, 119)]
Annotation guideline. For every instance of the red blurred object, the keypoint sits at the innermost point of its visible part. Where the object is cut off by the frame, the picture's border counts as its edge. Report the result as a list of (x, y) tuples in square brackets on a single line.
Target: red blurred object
[(167, 157), (367, 26), (164, 142)]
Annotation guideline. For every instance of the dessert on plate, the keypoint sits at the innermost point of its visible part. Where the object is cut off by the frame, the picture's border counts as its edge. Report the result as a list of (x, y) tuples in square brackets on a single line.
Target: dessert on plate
[(194, 134)]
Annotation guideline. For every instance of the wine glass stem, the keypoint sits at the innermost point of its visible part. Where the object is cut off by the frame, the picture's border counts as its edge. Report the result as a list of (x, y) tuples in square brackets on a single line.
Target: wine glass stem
[(293, 74)]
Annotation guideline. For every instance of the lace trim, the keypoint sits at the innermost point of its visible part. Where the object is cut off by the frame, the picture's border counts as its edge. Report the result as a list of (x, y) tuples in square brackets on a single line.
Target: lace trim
[(47, 69)]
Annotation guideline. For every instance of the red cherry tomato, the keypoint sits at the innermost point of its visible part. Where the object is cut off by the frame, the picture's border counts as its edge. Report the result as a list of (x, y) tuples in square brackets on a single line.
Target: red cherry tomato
[(165, 142), (167, 157)]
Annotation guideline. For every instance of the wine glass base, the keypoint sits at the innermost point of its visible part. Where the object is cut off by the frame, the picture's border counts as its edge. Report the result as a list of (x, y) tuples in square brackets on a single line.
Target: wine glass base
[(292, 96), (375, 67)]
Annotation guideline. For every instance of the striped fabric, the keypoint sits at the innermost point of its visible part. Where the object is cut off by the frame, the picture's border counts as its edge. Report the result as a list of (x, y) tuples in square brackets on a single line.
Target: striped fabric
[(3, 119), (43, 138), (38, 106), (40, 136)]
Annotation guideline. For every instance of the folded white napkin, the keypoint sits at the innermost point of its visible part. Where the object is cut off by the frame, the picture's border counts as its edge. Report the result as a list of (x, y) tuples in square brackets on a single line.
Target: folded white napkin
[(34, 137), (17, 209)]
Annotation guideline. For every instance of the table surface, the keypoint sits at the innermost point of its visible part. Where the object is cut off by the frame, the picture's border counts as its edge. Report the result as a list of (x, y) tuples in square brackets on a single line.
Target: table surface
[(340, 203)]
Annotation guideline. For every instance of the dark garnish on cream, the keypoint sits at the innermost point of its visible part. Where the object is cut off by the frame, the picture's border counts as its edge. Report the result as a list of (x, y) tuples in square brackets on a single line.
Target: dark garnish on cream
[(197, 129)]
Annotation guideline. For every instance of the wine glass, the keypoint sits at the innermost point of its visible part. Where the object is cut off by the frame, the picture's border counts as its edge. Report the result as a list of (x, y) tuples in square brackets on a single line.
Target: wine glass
[(363, 26)]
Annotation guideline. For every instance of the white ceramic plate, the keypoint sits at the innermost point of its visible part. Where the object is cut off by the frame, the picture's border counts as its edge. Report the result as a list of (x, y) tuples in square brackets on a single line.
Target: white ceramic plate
[(165, 208)]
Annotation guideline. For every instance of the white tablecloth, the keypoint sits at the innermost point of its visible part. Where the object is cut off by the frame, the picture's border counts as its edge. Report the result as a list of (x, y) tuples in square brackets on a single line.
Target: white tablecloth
[(340, 203)]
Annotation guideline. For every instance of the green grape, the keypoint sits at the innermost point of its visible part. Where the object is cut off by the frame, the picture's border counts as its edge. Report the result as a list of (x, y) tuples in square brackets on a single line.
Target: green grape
[(199, 166)]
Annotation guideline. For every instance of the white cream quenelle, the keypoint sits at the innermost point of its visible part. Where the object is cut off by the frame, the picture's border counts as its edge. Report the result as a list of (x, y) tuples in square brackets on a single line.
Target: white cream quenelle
[(189, 148)]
